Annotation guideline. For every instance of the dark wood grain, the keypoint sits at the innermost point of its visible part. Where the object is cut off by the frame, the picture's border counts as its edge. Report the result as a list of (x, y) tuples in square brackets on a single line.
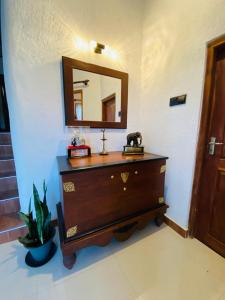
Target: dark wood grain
[(207, 221), (204, 127), (104, 204), (94, 161), (111, 198), (181, 231), (68, 65), (5, 138), (103, 236)]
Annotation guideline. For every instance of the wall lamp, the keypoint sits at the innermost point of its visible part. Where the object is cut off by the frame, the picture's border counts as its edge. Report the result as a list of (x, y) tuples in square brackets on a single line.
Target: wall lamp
[(97, 47)]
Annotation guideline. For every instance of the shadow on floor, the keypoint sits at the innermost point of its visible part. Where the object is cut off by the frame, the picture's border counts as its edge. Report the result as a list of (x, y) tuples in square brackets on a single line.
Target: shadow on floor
[(85, 257)]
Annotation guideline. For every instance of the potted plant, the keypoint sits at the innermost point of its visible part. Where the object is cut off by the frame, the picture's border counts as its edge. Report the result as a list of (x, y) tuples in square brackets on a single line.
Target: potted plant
[(41, 232)]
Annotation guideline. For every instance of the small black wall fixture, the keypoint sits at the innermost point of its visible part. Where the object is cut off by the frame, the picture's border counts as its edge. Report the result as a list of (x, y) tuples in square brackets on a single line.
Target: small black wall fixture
[(85, 82)]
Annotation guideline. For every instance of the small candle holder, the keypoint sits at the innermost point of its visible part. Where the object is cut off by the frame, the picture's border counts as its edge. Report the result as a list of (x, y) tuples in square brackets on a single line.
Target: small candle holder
[(103, 152)]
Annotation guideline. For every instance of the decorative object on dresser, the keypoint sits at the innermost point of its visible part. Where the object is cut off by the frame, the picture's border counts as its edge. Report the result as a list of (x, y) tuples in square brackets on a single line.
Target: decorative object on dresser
[(127, 192), (78, 151), (103, 152), (133, 147), (78, 147), (41, 232)]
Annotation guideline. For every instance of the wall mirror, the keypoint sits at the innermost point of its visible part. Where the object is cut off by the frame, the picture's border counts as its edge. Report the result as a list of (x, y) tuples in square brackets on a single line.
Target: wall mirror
[(94, 96)]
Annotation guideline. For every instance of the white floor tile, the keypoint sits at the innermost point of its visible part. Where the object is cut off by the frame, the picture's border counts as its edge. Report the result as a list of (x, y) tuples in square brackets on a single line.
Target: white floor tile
[(155, 263)]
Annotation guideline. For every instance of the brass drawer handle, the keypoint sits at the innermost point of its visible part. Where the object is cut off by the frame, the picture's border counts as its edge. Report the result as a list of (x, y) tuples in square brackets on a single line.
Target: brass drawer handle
[(72, 231), (124, 176), (124, 189), (112, 176), (68, 187), (136, 172), (163, 169), (161, 200)]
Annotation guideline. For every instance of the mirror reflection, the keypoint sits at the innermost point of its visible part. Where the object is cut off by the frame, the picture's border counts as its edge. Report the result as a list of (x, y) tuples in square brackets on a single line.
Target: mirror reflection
[(96, 97)]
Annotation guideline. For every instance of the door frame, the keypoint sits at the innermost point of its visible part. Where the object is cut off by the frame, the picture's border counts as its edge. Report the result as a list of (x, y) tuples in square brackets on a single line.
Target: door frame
[(204, 127)]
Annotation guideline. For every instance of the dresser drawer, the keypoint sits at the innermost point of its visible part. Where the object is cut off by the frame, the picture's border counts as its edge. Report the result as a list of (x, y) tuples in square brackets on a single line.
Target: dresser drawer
[(97, 197)]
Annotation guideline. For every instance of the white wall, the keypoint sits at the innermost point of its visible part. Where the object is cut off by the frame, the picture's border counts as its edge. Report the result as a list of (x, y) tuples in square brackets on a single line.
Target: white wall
[(36, 34), (92, 110), (173, 57)]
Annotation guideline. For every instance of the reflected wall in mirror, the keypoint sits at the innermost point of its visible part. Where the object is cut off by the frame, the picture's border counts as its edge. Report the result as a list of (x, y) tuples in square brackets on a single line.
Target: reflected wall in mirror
[(94, 96)]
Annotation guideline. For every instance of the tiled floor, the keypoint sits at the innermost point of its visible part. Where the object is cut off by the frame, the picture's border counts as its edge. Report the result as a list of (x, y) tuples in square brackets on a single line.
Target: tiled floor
[(155, 263)]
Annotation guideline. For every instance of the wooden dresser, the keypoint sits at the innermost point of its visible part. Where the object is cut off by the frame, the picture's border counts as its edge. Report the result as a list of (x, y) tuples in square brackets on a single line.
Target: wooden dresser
[(108, 196)]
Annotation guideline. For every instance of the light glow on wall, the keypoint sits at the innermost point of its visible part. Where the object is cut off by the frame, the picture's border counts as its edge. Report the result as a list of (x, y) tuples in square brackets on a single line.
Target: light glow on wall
[(81, 44)]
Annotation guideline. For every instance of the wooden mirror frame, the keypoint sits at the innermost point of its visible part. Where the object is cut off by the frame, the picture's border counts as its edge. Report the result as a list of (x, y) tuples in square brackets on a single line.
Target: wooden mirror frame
[(68, 65)]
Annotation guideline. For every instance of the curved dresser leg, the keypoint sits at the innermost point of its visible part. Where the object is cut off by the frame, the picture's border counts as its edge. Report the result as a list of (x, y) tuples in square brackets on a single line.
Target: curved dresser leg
[(159, 220), (69, 260)]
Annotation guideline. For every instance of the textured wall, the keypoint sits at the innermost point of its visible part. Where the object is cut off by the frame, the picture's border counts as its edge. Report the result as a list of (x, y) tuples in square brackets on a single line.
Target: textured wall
[(36, 34), (173, 58), (173, 35)]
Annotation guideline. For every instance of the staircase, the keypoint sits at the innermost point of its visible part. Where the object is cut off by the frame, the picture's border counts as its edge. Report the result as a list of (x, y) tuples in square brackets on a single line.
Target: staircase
[(11, 227)]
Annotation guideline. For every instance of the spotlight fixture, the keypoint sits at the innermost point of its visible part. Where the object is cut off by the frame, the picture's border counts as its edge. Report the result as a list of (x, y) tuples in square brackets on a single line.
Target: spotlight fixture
[(98, 48)]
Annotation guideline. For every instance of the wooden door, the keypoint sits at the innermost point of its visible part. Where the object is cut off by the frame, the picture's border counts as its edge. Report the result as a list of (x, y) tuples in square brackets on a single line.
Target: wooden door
[(109, 108), (210, 217)]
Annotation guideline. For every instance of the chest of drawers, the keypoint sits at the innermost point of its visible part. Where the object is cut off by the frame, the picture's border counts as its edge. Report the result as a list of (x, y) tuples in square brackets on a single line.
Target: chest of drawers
[(108, 196)]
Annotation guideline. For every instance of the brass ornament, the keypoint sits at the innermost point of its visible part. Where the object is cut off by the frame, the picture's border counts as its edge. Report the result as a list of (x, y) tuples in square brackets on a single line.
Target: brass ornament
[(161, 200), (112, 176), (163, 169), (71, 231), (136, 172), (124, 189), (222, 171), (124, 176), (69, 187)]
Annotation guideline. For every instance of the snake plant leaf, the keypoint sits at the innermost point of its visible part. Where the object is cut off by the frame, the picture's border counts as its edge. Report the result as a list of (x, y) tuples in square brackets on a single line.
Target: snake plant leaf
[(44, 203), (39, 213), (27, 241), (24, 218), (47, 225), (28, 220), (45, 192), (29, 209), (47, 221)]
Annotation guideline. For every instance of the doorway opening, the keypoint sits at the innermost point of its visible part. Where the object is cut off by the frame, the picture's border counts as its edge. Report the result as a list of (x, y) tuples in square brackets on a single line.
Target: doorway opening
[(4, 112)]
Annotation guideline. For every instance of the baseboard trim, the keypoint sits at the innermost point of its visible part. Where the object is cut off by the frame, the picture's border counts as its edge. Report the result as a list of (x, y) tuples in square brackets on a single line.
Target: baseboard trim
[(181, 231)]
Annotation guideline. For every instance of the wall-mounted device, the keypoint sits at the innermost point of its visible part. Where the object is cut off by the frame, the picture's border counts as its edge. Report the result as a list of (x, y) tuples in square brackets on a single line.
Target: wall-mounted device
[(178, 100)]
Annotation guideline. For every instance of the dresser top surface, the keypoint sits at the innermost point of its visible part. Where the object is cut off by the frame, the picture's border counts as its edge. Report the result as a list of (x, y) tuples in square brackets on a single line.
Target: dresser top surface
[(97, 161)]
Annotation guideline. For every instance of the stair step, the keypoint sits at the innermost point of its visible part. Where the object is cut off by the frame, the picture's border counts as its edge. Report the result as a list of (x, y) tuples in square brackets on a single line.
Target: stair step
[(11, 227), (8, 185), (5, 138), (7, 168), (6, 152), (10, 221), (9, 206), (8, 195), (7, 174)]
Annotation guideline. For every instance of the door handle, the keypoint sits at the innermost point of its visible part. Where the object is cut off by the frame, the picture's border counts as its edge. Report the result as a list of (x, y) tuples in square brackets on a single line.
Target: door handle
[(212, 144)]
